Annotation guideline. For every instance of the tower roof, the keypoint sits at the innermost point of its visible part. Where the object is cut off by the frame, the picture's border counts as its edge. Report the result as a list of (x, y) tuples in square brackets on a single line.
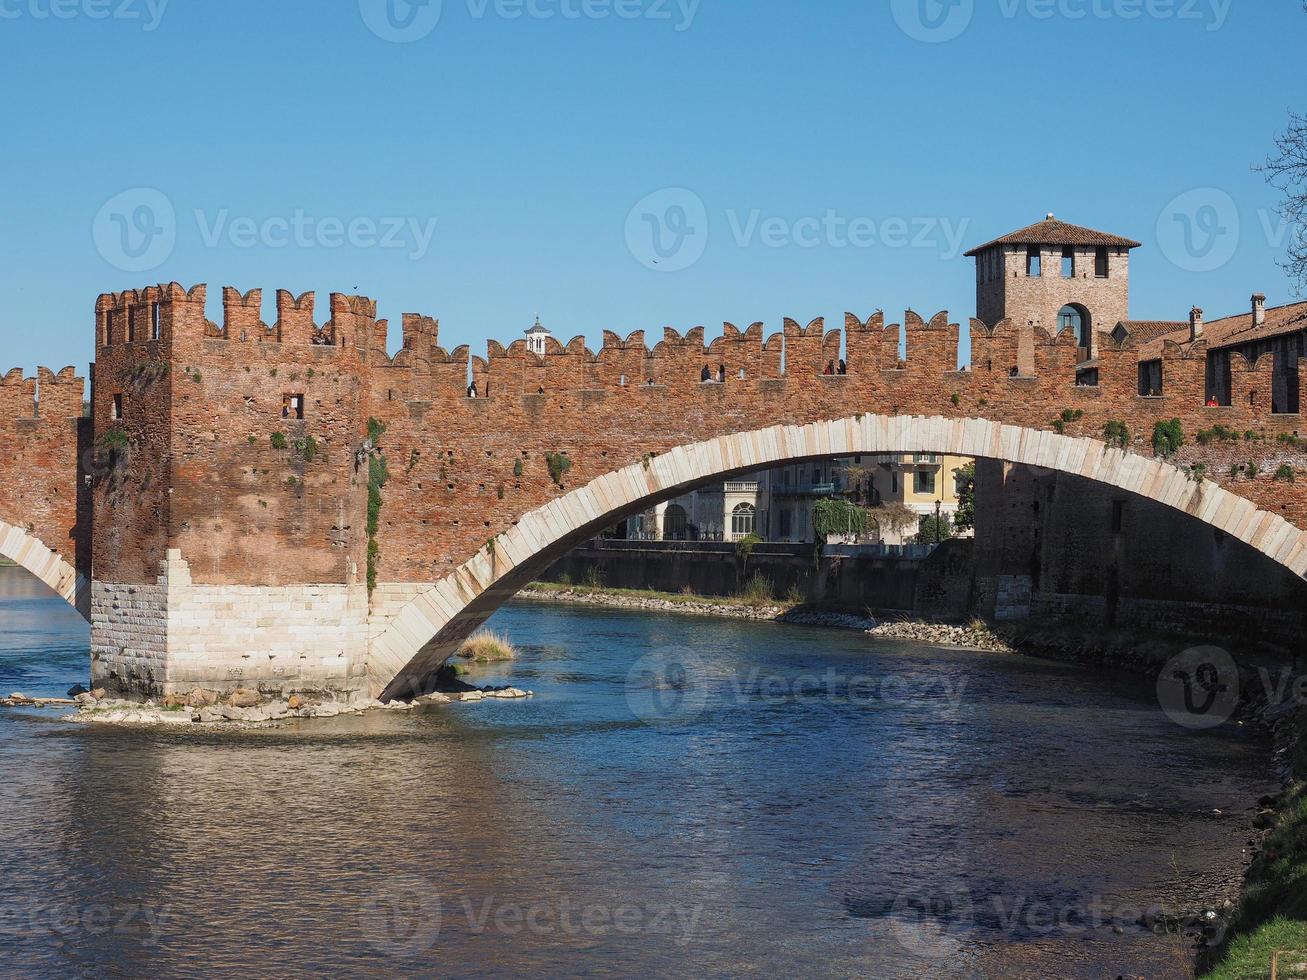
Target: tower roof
[(1050, 231), (536, 328)]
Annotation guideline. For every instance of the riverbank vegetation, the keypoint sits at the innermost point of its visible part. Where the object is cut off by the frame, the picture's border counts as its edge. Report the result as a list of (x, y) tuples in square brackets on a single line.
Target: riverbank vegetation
[(1271, 916), (486, 646)]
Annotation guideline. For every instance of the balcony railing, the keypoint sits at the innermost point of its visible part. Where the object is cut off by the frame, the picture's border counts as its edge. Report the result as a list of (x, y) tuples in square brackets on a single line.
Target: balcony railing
[(741, 487)]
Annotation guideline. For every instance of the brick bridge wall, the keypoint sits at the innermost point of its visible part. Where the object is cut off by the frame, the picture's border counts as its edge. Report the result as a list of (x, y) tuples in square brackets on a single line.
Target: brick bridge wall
[(205, 498), (44, 504)]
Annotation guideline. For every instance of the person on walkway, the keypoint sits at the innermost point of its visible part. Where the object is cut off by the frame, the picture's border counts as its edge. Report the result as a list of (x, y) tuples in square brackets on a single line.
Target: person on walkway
[(721, 374), (705, 374), (830, 368), (472, 390), (844, 367)]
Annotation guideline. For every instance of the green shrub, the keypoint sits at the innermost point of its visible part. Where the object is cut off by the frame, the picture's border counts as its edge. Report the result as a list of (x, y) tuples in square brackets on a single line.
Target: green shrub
[(278, 440), (559, 464), (1285, 473), (1168, 437), (1116, 434), (758, 591)]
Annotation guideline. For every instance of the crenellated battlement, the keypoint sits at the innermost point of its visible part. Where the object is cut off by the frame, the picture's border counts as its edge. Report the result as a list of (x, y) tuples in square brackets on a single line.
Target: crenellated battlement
[(51, 396)]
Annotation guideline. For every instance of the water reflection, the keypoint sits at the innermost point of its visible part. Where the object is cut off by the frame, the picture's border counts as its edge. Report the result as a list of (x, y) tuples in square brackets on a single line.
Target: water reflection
[(776, 830)]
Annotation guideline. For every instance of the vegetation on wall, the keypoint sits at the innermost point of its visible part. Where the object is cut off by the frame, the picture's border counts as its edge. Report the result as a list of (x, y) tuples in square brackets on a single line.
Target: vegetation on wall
[(377, 477), (1116, 434), (1168, 437), (559, 464)]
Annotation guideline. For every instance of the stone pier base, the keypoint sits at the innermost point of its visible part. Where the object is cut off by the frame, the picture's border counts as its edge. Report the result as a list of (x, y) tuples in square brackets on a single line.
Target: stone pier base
[(174, 636)]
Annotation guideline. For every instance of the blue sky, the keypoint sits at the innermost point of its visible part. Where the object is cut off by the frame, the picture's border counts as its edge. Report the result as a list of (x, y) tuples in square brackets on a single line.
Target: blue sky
[(795, 159)]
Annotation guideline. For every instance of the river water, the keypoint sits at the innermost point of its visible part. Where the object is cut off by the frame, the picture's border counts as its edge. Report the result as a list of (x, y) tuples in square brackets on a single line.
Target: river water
[(682, 797)]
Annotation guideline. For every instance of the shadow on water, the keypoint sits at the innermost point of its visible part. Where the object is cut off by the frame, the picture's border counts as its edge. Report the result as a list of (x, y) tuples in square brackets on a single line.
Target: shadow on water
[(911, 812)]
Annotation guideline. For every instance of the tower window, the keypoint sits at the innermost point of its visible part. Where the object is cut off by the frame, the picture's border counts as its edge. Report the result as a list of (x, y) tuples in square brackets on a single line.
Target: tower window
[(131, 324), (154, 321), (117, 411), (108, 328), (1100, 262), (1068, 263), (1034, 262)]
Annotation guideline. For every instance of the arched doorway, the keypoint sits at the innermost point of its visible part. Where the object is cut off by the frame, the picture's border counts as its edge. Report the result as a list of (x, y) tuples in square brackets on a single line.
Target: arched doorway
[(675, 523), (1075, 317)]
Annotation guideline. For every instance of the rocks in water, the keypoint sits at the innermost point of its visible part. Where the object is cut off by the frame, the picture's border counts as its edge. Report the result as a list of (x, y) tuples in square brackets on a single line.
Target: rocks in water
[(435, 697), (84, 699), (18, 698), (976, 636), (77, 690), (244, 699)]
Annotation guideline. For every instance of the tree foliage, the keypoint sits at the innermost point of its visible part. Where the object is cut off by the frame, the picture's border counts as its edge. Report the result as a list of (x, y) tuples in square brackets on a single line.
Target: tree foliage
[(835, 515)]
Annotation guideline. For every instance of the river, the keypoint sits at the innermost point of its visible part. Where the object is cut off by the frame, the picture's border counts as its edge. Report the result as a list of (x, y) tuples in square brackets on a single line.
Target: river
[(780, 800)]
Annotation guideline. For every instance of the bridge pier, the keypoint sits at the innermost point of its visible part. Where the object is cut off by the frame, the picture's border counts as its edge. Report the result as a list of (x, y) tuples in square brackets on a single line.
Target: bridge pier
[(175, 635)]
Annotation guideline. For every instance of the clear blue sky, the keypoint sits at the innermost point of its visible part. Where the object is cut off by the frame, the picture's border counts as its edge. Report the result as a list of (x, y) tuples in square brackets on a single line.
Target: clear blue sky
[(529, 140)]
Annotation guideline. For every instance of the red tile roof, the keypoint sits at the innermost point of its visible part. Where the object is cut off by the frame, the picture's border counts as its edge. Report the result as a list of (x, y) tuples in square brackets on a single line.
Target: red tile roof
[(1053, 232), (1232, 331)]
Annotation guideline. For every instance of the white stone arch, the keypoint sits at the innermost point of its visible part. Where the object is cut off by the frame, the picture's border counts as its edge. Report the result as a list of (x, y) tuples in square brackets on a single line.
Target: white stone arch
[(429, 628), (27, 552)]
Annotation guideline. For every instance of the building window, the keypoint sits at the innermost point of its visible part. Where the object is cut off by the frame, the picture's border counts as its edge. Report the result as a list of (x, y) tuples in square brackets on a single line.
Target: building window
[(923, 481), (743, 520), (1100, 262), (1034, 262), (1150, 379), (116, 413), (894, 481), (787, 521), (292, 406), (108, 328), (131, 324), (1068, 263), (154, 321)]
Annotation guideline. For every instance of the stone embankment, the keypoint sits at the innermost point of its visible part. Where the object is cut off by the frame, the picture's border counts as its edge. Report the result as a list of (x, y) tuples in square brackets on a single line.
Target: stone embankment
[(240, 709)]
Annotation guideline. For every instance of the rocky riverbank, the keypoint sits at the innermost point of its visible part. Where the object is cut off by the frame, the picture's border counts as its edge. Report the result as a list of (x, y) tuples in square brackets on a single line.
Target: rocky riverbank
[(655, 602), (976, 635), (240, 709)]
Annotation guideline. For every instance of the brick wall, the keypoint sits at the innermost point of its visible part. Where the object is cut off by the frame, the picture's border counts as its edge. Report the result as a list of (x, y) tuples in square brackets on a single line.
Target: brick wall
[(1050, 542)]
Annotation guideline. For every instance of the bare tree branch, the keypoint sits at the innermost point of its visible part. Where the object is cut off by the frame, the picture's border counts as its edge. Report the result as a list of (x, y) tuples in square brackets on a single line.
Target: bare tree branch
[(1286, 170)]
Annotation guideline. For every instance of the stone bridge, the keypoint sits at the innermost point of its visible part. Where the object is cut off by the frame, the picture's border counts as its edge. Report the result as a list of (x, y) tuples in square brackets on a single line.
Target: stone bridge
[(287, 505)]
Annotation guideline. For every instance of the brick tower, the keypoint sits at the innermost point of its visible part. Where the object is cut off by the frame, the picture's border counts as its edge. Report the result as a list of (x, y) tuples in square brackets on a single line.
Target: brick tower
[(229, 492), (1056, 276)]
